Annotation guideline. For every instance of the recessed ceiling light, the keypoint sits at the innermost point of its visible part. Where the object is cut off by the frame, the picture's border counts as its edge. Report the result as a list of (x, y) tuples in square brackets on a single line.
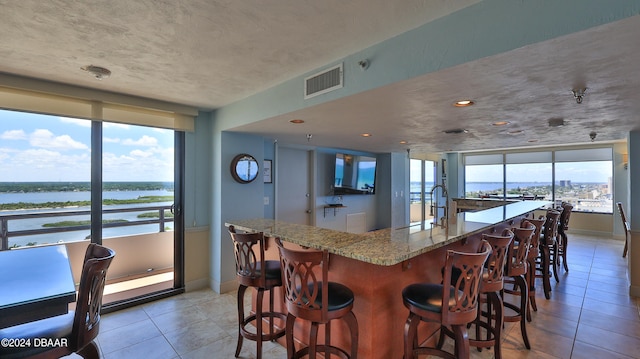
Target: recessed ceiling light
[(463, 103), (296, 121), (533, 140), (366, 135), (403, 142), (501, 123)]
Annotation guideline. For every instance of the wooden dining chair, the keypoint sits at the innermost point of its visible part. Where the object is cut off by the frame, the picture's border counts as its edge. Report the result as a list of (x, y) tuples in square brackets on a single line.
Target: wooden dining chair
[(625, 226), (75, 331)]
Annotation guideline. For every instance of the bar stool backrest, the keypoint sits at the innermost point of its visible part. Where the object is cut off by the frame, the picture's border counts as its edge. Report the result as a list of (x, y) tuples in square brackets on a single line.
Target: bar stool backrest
[(493, 278), (519, 249), (249, 264), (565, 215), (550, 228), (535, 238), (462, 299), (304, 278)]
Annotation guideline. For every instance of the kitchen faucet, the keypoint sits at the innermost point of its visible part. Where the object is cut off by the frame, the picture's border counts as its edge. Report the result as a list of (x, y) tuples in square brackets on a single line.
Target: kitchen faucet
[(444, 220)]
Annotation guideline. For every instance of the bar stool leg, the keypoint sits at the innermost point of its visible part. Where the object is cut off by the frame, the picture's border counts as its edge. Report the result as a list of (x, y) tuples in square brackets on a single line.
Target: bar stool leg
[(259, 298), (240, 301), (289, 335), (352, 323)]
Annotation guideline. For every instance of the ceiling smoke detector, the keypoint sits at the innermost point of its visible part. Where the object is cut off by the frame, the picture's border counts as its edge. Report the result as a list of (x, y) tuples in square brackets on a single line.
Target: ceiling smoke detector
[(97, 71)]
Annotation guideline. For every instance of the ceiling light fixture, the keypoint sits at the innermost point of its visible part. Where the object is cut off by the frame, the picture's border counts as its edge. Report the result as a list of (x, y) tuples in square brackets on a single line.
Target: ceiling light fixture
[(97, 71), (403, 142), (296, 121), (463, 103), (366, 135), (515, 132), (501, 123), (578, 94)]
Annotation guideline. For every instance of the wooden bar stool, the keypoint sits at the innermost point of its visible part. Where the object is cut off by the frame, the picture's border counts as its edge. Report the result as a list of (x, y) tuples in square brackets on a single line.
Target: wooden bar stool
[(310, 296), (492, 284), (563, 240), (625, 226), (532, 257), (453, 305), (548, 249), (515, 274), (254, 271)]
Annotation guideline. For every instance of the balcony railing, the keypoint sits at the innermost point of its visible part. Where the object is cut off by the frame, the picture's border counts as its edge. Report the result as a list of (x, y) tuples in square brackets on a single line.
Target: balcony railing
[(5, 233)]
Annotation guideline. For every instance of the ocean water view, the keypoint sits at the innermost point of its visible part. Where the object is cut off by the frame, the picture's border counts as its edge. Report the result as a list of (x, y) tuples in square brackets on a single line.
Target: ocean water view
[(10, 198)]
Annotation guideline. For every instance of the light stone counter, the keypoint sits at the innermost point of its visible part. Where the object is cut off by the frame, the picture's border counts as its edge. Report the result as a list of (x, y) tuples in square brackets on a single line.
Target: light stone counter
[(387, 247)]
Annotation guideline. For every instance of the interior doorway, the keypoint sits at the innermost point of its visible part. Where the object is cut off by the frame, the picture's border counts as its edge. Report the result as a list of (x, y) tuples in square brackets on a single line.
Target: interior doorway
[(293, 189)]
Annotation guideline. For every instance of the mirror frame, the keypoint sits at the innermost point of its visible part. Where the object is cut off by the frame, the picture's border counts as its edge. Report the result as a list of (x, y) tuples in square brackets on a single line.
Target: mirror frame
[(234, 168)]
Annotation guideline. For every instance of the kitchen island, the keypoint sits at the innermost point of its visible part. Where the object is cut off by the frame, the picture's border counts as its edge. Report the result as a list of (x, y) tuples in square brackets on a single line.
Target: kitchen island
[(377, 265)]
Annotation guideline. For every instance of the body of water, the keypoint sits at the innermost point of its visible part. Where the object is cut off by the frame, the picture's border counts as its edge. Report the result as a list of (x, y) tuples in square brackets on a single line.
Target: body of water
[(43, 197)]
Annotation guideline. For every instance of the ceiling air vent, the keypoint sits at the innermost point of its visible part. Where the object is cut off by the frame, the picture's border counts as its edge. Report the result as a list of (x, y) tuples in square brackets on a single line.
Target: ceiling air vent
[(323, 82)]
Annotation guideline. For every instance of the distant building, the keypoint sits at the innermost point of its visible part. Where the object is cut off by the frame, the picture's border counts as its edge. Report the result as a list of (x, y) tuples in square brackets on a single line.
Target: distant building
[(565, 183)]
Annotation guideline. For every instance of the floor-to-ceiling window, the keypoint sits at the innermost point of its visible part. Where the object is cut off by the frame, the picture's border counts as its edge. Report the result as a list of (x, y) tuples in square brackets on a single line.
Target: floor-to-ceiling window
[(581, 176), (45, 172), (584, 178), (48, 194), (422, 179)]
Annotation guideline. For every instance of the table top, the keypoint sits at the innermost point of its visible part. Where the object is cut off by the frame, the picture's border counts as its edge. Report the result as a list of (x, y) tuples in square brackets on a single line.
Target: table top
[(388, 246), (34, 275)]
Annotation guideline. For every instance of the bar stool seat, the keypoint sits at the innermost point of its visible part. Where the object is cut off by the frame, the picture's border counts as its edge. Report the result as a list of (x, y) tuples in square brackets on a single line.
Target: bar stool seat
[(254, 271), (310, 296)]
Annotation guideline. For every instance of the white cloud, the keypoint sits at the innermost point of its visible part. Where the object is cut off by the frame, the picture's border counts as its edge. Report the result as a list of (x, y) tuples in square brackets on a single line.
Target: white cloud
[(45, 139), (13, 135), (141, 153), (110, 140), (46, 165), (142, 141)]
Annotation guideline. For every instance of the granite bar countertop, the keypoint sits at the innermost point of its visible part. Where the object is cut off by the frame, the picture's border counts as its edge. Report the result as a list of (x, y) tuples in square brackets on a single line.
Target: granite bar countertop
[(388, 246)]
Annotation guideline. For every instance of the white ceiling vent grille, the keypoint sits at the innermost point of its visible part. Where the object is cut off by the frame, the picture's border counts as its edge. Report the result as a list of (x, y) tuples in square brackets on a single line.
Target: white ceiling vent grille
[(323, 82)]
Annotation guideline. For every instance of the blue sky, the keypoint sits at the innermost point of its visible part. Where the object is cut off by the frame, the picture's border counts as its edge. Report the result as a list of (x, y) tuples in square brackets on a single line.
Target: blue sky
[(51, 148)]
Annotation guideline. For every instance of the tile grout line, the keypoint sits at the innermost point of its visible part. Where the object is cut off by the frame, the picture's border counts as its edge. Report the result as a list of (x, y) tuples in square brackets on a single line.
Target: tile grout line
[(584, 295)]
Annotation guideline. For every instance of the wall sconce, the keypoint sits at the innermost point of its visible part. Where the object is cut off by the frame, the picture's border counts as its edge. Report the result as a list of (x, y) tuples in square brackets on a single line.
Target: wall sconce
[(625, 160)]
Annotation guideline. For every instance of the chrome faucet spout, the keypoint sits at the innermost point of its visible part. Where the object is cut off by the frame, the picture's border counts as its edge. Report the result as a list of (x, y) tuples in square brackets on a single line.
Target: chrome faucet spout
[(444, 220)]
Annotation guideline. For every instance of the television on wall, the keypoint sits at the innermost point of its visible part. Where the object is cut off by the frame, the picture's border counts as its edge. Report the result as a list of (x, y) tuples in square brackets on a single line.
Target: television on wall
[(354, 174)]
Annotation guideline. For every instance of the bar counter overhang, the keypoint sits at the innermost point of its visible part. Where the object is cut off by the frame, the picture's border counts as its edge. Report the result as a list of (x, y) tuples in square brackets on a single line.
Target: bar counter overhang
[(377, 265)]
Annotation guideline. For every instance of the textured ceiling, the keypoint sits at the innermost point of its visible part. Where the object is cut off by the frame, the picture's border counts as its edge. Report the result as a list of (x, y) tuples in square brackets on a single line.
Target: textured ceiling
[(205, 53), (210, 53)]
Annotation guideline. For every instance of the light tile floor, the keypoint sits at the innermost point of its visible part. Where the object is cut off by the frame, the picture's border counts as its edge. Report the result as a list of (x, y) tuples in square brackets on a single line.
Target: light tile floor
[(589, 315)]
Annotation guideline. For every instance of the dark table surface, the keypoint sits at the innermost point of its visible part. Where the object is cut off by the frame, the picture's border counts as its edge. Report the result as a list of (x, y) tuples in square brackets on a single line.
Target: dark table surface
[(35, 283)]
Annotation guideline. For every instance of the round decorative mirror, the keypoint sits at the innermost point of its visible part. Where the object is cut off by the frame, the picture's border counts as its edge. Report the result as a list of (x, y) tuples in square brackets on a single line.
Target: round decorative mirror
[(244, 168)]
